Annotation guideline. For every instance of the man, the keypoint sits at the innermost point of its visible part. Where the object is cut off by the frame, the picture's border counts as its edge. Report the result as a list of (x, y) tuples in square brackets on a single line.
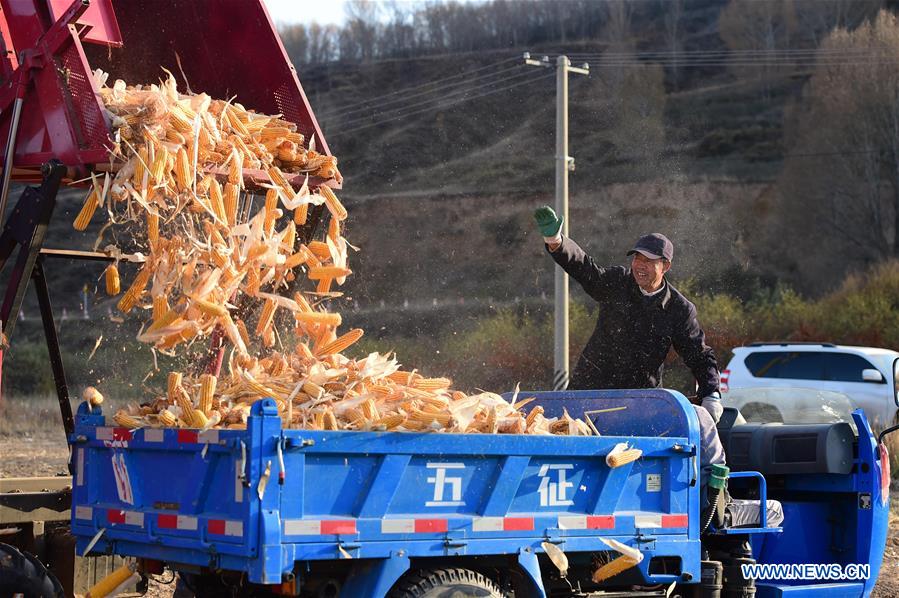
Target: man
[(641, 317)]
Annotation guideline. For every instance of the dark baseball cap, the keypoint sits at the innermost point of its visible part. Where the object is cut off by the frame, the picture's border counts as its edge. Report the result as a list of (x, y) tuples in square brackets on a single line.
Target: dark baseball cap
[(654, 246)]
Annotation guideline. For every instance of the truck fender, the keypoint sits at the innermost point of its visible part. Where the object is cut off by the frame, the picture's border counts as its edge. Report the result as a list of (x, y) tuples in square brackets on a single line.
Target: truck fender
[(527, 560), (374, 578)]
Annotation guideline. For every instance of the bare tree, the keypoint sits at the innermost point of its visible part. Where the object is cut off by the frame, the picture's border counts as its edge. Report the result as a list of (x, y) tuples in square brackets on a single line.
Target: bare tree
[(845, 175), (757, 30)]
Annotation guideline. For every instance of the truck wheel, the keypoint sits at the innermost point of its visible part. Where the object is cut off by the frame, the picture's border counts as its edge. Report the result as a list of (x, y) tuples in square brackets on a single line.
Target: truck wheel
[(446, 583), (22, 573)]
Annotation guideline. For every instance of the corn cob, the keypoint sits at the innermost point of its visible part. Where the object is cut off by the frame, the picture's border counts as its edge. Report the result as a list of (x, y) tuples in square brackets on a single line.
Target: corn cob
[(234, 120), (179, 121), (301, 214), (134, 292), (533, 415), (334, 229), (432, 383), (141, 167), (158, 168), (613, 568), (317, 317), (297, 259), (322, 272), (334, 206), (370, 410), (235, 168), (320, 250), (342, 342), (174, 136), (182, 399), (127, 421), (266, 317), (261, 389), (278, 179), (242, 331), (401, 377), (392, 421), (173, 382), (178, 337), (273, 133), (217, 201), (324, 286), (182, 170), (329, 422), (167, 418), (230, 199), (198, 419), (271, 206), (87, 210), (152, 228), (113, 286), (619, 458), (92, 396)]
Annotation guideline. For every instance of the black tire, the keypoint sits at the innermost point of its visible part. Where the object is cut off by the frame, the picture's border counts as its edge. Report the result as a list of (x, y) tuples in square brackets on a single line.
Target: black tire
[(761, 413), (446, 583), (22, 573)]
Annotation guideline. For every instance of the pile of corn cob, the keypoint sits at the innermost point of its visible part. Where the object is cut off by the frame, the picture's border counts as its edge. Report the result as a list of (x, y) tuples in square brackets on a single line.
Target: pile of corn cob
[(212, 263)]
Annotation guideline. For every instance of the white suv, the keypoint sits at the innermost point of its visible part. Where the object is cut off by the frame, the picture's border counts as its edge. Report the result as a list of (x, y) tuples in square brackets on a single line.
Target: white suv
[(868, 376)]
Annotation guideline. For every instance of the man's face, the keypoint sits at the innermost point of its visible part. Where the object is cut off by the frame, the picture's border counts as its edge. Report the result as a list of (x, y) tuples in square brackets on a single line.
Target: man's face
[(649, 273)]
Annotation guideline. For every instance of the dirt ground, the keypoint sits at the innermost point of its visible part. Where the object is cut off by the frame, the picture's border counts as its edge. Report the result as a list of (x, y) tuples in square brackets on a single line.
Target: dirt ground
[(43, 455)]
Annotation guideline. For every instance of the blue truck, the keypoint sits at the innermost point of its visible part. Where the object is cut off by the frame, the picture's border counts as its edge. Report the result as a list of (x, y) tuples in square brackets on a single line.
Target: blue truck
[(272, 511)]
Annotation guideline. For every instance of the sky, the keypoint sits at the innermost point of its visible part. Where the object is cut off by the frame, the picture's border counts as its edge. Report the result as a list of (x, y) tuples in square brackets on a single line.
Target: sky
[(323, 12)]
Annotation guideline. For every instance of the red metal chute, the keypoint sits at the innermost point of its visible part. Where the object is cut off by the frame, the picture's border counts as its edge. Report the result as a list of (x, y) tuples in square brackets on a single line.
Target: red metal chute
[(227, 48)]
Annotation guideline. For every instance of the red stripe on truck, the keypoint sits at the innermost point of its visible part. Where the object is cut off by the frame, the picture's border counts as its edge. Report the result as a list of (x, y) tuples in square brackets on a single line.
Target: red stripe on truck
[(675, 521), (338, 526), (518, 524), (425, 526)]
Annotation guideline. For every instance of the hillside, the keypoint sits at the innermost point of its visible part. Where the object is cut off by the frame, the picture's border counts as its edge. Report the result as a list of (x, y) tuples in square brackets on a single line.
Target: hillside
[(443, 172)]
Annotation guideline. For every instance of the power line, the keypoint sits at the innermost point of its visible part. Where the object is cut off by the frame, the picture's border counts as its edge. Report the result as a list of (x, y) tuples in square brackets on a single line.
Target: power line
[(375, 103), (428, 84), (725, 53), (401, 111), (460, 101)]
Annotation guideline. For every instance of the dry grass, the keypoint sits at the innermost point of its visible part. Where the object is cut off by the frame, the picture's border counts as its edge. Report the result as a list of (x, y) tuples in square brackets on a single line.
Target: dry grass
[(30, 416)]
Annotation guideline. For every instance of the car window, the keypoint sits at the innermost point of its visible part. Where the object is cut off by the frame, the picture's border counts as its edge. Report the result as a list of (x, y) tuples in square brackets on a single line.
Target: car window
[(797, 365), (845, 367)]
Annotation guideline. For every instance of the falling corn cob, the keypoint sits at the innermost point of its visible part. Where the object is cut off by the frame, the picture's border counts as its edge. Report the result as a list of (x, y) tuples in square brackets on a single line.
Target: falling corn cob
[(342, 342), (207, 392), (301, 214), (87, 210), (152, 229), (112, 280), (173, 384), (160, 307), (334, 206), (321, 318), (613, 568), (266, 317), (92, 396), (323, 272), (134, 292)]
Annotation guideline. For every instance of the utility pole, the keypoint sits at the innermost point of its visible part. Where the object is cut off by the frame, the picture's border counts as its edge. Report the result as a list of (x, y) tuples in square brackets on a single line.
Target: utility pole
[(564, 165)]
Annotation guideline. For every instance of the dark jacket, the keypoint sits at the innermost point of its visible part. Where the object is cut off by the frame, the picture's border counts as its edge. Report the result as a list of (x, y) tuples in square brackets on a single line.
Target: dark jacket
[(634, 332)]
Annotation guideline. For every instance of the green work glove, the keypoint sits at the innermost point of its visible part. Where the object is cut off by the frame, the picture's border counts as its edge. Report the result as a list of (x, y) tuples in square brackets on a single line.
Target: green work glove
[(547, 221)]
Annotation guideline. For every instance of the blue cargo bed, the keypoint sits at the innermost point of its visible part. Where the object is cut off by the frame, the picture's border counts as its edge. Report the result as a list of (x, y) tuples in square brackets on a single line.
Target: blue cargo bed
[(220, 498)]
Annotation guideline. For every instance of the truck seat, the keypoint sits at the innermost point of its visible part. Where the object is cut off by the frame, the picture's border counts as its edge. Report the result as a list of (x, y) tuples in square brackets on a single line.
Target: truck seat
[(745, 513)]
